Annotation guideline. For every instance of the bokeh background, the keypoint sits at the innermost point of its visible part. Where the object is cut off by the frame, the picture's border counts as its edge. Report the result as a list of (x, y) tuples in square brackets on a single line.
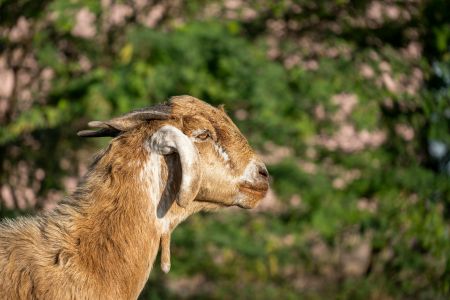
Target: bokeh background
[(347, 101)]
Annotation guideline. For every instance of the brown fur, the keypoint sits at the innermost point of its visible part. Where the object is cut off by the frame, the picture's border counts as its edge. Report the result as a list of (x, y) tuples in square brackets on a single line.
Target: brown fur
[(101, 242)]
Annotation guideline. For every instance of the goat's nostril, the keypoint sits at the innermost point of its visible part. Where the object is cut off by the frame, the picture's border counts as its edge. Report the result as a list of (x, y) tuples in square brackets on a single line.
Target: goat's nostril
[(263, 172)]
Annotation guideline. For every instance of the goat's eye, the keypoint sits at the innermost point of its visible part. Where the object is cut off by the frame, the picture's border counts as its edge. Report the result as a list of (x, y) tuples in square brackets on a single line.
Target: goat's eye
[(204, 135)]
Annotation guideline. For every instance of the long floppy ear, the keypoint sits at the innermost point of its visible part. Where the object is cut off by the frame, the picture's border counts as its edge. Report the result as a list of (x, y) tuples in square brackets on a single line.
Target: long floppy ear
[(126, 122), (169, 139)]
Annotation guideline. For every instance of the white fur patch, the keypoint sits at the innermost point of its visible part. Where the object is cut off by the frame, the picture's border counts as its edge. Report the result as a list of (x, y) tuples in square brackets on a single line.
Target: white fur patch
[(150, 177), (250, 172), (165, 267), (165, 224), (222, 153)]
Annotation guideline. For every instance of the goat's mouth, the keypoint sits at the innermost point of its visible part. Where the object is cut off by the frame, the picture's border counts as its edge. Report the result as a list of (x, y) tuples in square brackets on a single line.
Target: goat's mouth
[(258, 191)]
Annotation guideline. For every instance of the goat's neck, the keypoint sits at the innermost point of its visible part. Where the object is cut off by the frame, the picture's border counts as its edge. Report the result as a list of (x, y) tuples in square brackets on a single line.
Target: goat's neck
[(118, 231)]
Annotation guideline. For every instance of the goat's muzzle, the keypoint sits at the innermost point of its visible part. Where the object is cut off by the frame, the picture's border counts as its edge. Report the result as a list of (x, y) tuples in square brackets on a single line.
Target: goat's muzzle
[(255, 186)]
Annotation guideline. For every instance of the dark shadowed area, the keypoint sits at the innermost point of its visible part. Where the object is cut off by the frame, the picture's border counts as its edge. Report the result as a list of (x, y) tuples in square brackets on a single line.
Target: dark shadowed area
[(348, 103)]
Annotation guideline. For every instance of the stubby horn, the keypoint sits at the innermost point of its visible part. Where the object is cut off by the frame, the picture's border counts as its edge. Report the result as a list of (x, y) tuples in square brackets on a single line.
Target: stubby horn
[(126, 122), (169, 139)]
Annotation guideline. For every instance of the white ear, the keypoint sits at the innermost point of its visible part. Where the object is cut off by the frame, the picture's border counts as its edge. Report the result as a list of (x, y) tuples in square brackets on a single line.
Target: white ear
[(169, 139)]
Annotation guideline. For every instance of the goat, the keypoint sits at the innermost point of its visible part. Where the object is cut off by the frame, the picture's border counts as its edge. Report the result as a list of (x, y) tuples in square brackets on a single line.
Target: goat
[(163, 164)]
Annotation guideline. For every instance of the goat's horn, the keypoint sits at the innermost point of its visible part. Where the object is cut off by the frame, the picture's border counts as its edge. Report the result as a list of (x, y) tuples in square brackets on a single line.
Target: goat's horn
[(169, 139), (97, 124), (126, 122), (131, 119), (98, 133), (156, 112)]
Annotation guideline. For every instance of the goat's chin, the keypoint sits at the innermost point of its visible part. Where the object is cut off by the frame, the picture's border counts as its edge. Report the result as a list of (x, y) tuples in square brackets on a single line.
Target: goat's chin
[(250, 196), (212, 205), (248, 204), (244, 196), (249, 200)]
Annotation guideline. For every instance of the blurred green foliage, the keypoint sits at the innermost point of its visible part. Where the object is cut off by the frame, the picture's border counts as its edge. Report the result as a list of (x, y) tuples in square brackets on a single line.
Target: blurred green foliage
[(349, 222)]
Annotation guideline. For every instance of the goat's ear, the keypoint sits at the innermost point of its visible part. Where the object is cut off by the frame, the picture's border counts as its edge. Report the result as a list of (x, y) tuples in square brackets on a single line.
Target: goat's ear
[(169, 139), (126, 122), (222, 107)]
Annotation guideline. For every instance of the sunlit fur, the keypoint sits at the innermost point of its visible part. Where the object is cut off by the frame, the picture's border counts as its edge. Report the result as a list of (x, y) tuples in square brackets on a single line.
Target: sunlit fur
[(101, 242)]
